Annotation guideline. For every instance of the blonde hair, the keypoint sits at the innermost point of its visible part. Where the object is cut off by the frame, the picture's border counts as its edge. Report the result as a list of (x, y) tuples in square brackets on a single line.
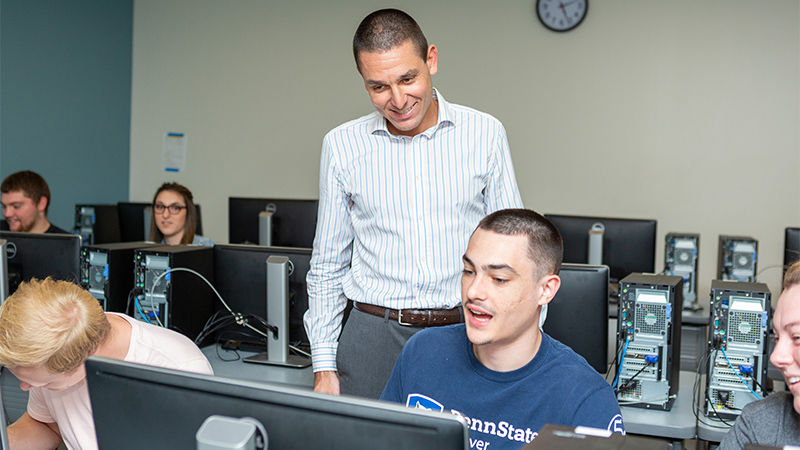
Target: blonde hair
[(792, 276), (50, 323)]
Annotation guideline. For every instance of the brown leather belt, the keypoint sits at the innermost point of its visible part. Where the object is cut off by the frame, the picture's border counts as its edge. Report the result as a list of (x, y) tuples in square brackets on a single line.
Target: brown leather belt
[(414, 317)]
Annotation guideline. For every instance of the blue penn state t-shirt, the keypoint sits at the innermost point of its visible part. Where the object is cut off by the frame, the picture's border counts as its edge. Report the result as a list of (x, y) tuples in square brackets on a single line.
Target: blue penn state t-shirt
[(438, 370)]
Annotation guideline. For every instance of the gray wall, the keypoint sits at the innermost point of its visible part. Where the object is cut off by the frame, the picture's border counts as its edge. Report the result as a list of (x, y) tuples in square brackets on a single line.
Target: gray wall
[(682, 111), (65, 89)]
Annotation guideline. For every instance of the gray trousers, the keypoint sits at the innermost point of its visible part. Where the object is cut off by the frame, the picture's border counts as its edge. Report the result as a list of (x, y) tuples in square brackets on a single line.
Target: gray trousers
[(368, 348)]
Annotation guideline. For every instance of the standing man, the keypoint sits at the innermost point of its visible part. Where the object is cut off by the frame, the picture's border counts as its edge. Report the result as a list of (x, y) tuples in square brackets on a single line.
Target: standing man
[(25, 197), (400, 191)]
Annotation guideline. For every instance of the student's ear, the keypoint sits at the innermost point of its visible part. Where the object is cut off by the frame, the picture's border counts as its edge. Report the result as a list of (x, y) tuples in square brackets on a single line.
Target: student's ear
[(42, 205), (548, 286)]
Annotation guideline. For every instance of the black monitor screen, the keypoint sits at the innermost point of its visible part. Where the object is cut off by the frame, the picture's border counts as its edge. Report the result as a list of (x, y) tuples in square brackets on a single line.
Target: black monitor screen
[(578, 314), (35, 255), (629, 245), (791, 247), (132, 224), (240, 277), (102, 224), (293, 221), (163, 409)]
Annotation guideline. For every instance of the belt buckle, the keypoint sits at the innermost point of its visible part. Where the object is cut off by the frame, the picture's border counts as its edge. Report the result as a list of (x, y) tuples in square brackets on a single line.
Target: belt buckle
[(400, 319)]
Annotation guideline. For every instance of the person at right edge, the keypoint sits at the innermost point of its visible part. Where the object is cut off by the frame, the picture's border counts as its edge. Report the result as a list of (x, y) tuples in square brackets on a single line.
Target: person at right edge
[(400, 191), (775, 420)]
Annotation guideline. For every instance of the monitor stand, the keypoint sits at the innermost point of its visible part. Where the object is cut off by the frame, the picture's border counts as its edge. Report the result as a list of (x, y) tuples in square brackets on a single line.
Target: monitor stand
[(278, 315), (296, 361)]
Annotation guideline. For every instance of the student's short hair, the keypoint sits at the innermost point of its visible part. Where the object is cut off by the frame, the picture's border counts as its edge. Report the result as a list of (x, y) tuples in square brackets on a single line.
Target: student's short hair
[(50, 323), (384, 30), (545, 247), (30, 183), (792, 276), (189, 227)]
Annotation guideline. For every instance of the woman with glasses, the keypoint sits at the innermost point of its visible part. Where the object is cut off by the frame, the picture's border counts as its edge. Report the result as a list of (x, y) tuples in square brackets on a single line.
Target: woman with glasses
[(175, 217)]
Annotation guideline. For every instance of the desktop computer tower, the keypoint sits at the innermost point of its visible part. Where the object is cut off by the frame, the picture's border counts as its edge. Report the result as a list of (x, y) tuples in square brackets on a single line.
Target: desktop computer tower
[(648, 340), (97, 224), (737, 258), (738, 330), (681, 259), (107, 272), (171, 295)]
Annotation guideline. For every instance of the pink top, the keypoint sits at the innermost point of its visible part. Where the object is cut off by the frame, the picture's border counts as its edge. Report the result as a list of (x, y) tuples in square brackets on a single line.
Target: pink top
[(70, 408)]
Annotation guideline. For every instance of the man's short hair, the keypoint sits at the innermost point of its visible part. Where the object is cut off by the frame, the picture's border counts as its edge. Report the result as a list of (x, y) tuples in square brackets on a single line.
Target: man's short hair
[(384, 30), (792, 276), (545, 247), (50, 323), (30, 183)]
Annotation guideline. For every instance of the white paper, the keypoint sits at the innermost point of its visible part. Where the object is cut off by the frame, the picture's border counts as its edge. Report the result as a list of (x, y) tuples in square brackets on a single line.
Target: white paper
[(173, 152)]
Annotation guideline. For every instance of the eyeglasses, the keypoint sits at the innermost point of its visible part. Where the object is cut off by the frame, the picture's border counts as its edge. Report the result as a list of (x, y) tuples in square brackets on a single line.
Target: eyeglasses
[(173, 208)]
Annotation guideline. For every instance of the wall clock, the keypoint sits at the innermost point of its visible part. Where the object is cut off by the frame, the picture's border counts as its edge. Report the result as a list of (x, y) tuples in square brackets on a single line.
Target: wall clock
[(561, 15)]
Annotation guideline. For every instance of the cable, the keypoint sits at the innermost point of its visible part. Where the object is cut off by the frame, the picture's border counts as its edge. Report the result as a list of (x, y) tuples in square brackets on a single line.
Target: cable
[(621, 361), (138, 308), (238, 356), (133, 293), (237, 316), (651, 360), (774, 266), (616, 357), (758, 397), (296, 349), (708, 399), (152, 295)]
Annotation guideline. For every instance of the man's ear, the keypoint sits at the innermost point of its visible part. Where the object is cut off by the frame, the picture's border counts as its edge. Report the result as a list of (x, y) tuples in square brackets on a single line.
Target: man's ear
[(432, 59), (42, 205), (548, 287)]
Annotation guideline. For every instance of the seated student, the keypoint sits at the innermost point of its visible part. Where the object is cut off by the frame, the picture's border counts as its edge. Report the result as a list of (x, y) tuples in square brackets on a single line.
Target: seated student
[(175, 217), (49, 328), (498, 369), (25, 197), (775, 420)]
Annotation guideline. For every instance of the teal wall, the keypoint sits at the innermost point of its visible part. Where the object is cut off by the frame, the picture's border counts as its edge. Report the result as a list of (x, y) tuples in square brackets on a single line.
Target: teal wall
[(65, 98)]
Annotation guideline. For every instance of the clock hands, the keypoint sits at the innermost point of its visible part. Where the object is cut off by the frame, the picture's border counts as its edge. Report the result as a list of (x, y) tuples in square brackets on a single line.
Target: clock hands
[(563, 7)]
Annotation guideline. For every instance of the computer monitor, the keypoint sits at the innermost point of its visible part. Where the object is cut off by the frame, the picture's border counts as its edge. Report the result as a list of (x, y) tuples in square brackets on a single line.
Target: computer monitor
[(626, 245), (97, 224), (240, 278), (3, 270), (578, 314), (132, 224), (41, 255), (791, 247), (137, 406), (292, 222), (134, 221), (3, 420)]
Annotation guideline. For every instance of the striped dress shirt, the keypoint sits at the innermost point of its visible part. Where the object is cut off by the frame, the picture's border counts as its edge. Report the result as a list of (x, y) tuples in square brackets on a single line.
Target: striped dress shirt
[(396, 213)]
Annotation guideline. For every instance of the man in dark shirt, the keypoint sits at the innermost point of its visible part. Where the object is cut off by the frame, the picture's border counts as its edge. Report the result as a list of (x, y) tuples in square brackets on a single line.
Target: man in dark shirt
[(25, 198), (498, 370)]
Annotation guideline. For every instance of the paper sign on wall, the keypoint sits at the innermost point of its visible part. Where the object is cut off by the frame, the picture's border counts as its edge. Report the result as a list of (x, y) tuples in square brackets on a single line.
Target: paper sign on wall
[(173, 153)]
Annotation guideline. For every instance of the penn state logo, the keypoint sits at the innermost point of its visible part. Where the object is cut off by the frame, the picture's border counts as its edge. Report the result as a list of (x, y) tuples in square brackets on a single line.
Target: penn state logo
[(420, 401), (615, 425)]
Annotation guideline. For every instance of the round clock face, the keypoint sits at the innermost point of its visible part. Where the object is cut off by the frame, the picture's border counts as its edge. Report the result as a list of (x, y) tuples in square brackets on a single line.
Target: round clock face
[(561, 15)]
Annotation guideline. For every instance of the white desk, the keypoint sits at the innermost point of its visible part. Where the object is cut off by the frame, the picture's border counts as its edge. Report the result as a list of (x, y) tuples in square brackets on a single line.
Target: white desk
[(676, 424), (229, 364)]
